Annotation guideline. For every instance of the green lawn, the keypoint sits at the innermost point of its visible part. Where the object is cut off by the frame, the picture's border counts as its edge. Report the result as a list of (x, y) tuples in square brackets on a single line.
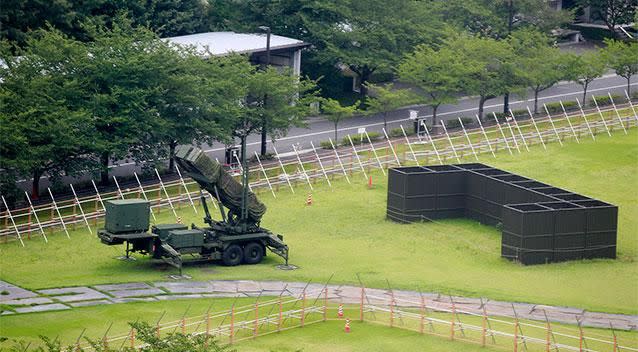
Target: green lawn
[(345, 232), (320, 336)]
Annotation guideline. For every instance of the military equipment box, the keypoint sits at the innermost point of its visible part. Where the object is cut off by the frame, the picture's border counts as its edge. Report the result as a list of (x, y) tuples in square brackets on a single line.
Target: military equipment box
[(185, 238), (127, 215), (162, 230)]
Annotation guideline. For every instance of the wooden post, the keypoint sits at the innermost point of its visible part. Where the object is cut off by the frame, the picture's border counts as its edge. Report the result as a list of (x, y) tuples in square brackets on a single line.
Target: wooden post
[(255, 327), (280, 315), (29, 225), (548, 336), (516, 336), (207, 327), (303, 308), (325, 303), (74, 213), (232, 325), (422, 313), (133, 338), (615, 344), (453, 321), (361, 304), (484, 329)]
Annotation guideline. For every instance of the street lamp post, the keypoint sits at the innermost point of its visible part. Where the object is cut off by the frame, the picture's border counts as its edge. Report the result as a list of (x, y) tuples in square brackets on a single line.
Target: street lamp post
[(264, 132)]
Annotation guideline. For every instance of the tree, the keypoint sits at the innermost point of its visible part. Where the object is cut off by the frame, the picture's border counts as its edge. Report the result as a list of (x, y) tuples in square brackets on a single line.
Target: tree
[(372, 35), (385, 99), (623, 58), (487, 63), (335, 112), (612, 12), (48, 132), (541, 65), (584, 69), (437, 73)]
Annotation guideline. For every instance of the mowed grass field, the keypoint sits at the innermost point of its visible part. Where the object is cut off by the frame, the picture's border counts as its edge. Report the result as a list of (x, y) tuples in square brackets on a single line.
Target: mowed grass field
[(345, 233)]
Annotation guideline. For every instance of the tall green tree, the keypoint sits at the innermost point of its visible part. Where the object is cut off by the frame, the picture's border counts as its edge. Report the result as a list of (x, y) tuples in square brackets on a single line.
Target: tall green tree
[(47, 129), (487, 66), (373, 35), (622, 58), (385, 99), (584, 69), (611, 12), (438, 73), (539, 64), (335, 112)]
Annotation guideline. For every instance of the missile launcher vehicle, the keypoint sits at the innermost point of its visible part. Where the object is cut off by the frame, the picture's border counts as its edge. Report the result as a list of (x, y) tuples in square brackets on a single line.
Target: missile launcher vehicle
[(237, 239)]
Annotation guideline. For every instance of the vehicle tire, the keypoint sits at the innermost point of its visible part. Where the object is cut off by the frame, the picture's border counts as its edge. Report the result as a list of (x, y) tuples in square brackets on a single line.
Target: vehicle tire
[(253, 253), (233, 255)]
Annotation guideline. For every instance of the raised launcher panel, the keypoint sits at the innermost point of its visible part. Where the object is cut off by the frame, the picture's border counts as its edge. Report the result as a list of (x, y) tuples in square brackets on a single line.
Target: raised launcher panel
[(540, 223)]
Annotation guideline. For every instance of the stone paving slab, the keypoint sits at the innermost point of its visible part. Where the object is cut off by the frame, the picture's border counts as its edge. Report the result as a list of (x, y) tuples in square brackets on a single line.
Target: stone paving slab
[(133, 299), (42, 308), (224, 286), (121, 287), (14, 292), (28, 301), (137, 293), (186, 287), (90, 303), (174, 297), (74, 294)]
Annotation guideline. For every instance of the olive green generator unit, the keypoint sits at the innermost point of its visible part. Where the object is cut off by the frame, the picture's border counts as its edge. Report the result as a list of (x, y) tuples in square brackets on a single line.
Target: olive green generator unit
[(237, 238)]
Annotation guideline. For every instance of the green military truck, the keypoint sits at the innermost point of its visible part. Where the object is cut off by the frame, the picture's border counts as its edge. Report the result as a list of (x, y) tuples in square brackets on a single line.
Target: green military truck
[(237, 239)]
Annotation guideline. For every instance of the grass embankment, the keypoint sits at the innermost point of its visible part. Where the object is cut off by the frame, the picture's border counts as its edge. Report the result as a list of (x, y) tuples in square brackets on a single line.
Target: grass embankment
[(345, 232), (321, 336)]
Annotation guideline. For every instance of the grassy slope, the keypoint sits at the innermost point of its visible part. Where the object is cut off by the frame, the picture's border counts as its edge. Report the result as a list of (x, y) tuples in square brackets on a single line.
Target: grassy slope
[(67, 326), (345, 233)]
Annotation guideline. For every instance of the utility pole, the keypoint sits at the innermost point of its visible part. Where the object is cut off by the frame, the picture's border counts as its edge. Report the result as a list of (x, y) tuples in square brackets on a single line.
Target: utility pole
[(264, 129)]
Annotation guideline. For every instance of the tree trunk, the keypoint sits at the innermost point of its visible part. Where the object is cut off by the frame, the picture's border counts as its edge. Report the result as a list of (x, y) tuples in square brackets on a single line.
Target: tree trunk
[(336, 139), (629, 86), (104, 173), (585, 93), (171, 153), (480, 110), (434, 110), (536, 101), (385, 121), (506, 103), (35, 189), (264, 136)]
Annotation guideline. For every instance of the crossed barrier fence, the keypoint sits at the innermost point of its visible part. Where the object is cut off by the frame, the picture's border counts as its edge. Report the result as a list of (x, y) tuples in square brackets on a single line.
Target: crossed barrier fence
[(515, 134), (418, 312)]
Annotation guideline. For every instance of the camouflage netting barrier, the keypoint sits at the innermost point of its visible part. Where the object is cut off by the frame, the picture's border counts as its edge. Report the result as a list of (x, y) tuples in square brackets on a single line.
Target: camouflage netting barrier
[(209, 172)]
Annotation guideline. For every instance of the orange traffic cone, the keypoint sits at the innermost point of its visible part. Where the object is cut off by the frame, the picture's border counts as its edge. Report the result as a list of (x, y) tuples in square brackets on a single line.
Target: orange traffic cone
[(346, 328), (340, 311), (309, 199), (370, 182)]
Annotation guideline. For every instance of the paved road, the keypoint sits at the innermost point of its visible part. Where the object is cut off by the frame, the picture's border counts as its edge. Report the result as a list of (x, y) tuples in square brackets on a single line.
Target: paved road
[(319, 129)]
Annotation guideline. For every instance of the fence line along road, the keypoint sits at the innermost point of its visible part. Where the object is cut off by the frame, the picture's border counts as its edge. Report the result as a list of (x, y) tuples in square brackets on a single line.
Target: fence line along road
[(413, 311), (305, 167)]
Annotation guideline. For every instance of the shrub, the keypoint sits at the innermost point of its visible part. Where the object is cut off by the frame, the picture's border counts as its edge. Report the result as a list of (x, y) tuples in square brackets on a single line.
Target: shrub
[(326, 145), (634, 95), (603, 100), (396, 132), (456, 124), (555, 107), (357, 138)]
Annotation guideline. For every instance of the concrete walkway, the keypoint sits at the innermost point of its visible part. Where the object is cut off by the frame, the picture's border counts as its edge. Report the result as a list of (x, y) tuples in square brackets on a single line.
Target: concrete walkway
[(25, 301)]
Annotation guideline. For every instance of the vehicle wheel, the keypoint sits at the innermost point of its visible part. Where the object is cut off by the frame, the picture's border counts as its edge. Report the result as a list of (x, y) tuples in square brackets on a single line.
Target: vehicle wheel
[(233, 255), (253, 253)]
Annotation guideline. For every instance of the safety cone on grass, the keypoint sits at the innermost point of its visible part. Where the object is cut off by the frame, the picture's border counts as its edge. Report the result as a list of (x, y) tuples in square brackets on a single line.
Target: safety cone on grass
[(346, 328), (340, 311), (309, 199), (370, 182)]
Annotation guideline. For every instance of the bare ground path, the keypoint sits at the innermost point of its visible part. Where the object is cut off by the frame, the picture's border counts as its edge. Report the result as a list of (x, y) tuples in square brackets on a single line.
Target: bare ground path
[(16, 300)]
